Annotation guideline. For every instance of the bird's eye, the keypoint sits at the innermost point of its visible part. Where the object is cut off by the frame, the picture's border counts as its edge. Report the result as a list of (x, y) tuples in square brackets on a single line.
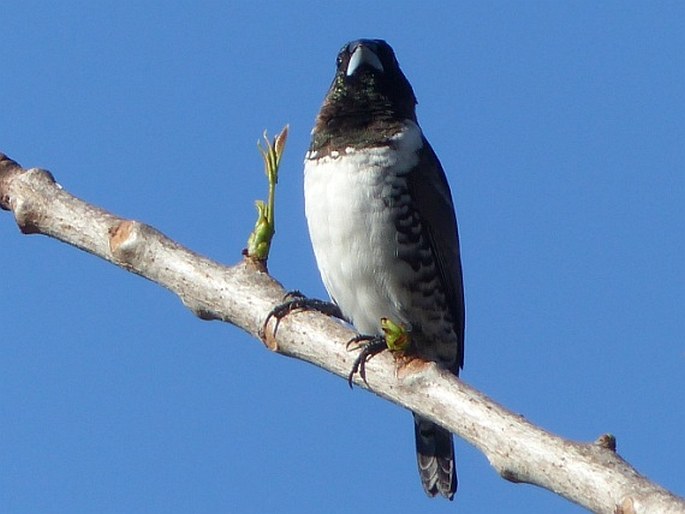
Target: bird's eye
[(338, 61)]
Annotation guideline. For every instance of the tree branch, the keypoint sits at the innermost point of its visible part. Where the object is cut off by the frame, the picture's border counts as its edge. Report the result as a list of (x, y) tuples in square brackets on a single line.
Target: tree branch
[(592, 475)]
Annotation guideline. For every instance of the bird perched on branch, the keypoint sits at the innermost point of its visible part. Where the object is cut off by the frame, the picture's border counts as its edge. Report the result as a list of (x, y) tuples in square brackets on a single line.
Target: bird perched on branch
[(383, 227)]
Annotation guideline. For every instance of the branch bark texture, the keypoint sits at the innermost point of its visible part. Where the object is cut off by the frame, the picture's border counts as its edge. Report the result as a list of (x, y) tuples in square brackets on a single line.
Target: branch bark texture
[(590, 474)]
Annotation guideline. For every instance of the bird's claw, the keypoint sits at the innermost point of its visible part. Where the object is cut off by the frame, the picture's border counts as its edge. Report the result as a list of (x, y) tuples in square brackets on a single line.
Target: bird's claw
[(369, 346), (296, 301)]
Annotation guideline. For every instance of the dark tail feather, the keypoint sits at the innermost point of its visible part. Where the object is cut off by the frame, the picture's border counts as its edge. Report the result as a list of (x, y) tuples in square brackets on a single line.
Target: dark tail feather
[(435, 456)]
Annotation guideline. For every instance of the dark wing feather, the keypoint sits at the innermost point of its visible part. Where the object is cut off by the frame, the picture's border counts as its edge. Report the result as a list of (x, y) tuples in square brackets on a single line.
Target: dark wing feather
[(433, 201)]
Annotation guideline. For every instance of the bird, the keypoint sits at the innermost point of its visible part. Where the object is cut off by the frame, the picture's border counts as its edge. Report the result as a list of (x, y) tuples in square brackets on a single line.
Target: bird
[(383, 227)]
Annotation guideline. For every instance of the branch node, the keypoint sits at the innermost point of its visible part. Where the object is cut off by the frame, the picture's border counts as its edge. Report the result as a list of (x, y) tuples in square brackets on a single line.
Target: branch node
[(125, 241), (408, 365), (254, 263), (627, 506), (8, 167), (510, 476), (606, 441), (202, 312), (119, 234), (7, 161), (44, 175), (26, 216)]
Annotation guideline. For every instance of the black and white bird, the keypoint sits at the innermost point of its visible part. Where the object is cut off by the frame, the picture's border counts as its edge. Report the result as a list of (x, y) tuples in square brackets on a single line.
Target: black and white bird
[(383, 227)]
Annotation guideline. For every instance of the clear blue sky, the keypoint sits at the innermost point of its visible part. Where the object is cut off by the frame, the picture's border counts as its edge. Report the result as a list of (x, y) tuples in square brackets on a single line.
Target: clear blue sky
[(561, 126)]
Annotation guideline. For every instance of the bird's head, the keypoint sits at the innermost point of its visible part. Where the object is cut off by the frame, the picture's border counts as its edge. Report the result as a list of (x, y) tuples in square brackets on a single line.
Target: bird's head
[(369, 82)]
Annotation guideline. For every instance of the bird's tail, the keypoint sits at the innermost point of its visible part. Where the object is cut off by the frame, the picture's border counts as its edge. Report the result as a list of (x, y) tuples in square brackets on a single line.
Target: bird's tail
[(435, 456)]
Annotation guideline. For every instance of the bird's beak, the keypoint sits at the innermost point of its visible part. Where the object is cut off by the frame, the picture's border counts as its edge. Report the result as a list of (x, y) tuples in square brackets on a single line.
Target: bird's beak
[(363, 55)]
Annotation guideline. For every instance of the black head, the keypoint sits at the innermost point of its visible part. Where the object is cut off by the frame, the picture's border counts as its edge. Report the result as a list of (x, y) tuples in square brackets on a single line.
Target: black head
[(369, 99), (368, 78)]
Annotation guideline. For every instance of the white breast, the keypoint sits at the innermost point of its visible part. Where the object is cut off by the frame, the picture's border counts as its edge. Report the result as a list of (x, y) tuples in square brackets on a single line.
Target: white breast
[(352, 231)]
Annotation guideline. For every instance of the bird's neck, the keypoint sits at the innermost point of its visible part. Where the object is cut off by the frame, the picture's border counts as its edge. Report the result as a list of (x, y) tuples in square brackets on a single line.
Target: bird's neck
[(355, 126)]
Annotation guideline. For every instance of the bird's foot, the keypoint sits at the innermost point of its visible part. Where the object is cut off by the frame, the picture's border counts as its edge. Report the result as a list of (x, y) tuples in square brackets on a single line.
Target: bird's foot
[(369, 346), (395, 338), (296, 301)]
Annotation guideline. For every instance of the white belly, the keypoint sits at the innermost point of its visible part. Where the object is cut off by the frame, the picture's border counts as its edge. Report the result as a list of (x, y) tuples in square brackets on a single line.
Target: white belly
[(353, 233)]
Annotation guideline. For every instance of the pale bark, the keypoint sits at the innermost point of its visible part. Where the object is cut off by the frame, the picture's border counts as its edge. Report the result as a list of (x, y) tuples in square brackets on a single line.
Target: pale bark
[(590, 474)]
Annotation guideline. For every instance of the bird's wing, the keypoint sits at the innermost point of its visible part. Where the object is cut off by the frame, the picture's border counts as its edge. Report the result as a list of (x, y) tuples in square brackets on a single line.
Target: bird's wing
[(433, 201)]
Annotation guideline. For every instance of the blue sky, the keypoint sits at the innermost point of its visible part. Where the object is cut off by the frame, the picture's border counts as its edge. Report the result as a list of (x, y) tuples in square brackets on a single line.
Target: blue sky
[(560, 126)]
